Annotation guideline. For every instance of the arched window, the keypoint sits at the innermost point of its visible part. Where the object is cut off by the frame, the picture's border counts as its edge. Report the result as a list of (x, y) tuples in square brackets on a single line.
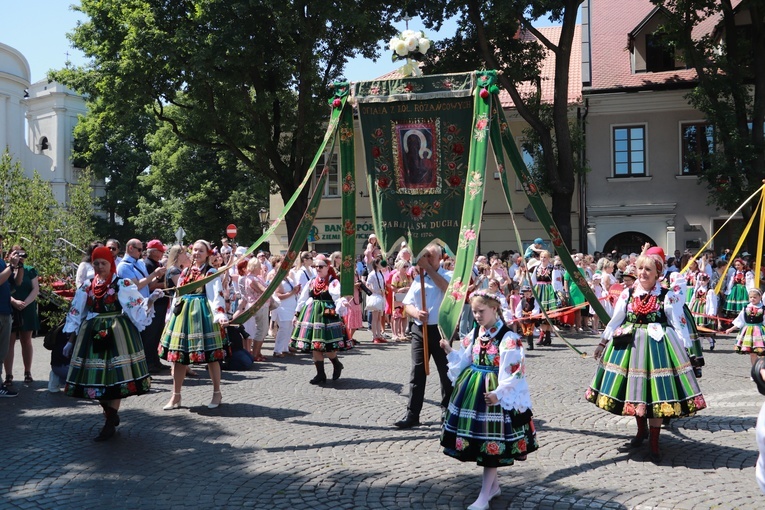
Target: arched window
[(627, 242)]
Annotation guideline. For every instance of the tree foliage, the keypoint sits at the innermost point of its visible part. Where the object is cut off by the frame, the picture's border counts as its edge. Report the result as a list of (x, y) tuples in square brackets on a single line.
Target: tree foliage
[(31, 217), (488, 37), (248, 77), (731, 88)]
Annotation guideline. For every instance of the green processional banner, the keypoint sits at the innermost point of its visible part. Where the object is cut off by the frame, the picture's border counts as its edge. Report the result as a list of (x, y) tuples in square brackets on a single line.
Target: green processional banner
[(416, 135), (348, 190)]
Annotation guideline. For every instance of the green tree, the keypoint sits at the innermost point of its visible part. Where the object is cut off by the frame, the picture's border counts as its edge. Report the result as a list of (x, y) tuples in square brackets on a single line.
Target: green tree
[(185, 188), (730, 89), (487, 37), (249, 77)]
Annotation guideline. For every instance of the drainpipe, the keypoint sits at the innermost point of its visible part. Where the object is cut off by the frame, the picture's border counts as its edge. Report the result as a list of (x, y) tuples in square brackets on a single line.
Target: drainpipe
[(582, 121)]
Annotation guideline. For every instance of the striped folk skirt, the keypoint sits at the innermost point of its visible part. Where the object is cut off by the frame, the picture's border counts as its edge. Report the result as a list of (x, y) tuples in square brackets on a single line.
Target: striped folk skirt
[(192, 336), (546, 295), (319, 328), (695, 352), (736, 300), (474, 431), (108, 361), (648, 378), (751, 339)]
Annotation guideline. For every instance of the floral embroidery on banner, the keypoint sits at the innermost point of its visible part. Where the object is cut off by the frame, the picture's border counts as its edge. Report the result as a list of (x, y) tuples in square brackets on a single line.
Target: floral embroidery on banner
[(481, 128), (348, 185), (476, 185), (467, 235)]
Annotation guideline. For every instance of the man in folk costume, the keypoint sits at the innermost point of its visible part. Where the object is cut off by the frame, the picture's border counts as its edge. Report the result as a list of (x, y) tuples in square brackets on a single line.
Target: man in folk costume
[(433, 283)]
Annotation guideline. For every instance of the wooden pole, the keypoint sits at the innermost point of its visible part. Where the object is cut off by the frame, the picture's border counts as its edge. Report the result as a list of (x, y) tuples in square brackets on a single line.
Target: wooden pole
[(423, 306)]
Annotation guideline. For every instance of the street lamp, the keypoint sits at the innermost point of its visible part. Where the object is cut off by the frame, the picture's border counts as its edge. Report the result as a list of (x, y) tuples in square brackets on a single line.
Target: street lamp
[(263, 214)]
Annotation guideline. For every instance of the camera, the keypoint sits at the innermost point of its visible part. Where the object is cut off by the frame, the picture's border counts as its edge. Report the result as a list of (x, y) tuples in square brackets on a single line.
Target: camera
[(22, 254)]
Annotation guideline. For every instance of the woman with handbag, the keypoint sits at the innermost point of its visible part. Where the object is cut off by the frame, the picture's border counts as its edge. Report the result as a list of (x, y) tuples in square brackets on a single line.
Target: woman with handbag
[(317, 326), (106, 317), (643, 369), (25, 317), (194, 333), (376, 301)]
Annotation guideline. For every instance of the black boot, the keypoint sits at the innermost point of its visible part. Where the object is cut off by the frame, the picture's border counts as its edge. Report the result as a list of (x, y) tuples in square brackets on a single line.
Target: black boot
[(321, 377), (408, 421), (548, 338), (111, 421), (337, 368), (530, 340)]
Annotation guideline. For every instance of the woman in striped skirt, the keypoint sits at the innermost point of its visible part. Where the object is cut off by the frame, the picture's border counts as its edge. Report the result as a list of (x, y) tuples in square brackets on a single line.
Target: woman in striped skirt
[(542, 279), (318, 327), (194, 333), (644, 370), (488, 420), (105, 320), (737, 292)]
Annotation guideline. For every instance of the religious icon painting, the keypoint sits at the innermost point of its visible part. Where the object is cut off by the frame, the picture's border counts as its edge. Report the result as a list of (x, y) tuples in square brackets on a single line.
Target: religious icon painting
[(417, 154)]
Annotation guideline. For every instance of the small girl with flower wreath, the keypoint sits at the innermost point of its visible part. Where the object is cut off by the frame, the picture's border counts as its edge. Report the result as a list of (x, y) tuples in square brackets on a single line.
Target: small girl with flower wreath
[(751, 338), (488, 420)]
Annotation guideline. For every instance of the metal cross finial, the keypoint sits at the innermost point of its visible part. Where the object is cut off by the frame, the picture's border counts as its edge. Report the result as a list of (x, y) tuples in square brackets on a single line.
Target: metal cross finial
[(406, 19)]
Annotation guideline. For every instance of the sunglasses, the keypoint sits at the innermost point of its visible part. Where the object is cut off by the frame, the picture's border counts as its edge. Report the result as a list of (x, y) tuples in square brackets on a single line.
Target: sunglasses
[(320, 266), (112, 248)]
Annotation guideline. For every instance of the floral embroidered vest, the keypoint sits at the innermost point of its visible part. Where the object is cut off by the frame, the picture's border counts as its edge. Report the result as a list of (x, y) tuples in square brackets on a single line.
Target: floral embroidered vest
[(658, 315), (544, 274), (487, 355), (109, 302), (753, 314)]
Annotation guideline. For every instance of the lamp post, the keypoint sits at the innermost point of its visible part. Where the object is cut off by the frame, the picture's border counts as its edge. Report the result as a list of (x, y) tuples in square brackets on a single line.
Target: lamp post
[(263, 216)]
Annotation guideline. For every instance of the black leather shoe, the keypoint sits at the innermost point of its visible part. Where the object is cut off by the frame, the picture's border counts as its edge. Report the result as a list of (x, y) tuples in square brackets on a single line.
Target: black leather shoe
[(318, 379), (408, 422)]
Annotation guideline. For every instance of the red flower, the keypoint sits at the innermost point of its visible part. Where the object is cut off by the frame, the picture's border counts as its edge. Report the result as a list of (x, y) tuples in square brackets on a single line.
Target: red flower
[(533, 188), (408, 87), (454, 180), (452, 165), (492, 448), (522, 445), (375, 152), (383, 182), (416, 210), (452, 128), (458, 148), (378, 133), (317, 345), (557, 241), (383, 168)]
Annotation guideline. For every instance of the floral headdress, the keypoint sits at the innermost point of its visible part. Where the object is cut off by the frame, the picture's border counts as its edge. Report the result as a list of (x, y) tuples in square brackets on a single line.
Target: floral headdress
[(486, 295)]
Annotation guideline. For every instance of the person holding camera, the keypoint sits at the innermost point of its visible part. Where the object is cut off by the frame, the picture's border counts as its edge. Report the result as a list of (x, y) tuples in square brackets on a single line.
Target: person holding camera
[(25, 318), (8, 273)]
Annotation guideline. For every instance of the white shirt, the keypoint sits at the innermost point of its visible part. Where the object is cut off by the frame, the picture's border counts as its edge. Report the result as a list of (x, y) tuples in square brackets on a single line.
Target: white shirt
[(760, 435), (433, 296)]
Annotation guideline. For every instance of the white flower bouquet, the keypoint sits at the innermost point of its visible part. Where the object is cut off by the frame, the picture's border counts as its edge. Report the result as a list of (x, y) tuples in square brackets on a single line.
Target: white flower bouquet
[(410, 45)]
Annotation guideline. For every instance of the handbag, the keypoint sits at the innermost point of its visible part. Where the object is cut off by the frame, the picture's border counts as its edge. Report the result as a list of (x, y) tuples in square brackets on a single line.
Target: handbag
[(622, 341), (49, 342), (178, 307), (366, 290)]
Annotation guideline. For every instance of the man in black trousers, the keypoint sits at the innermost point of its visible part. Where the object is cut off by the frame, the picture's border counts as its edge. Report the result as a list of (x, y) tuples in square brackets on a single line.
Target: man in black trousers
[(436, 279)]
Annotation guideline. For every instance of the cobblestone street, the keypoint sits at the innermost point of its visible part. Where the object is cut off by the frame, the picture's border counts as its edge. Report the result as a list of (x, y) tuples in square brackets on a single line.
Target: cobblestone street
[(279, 442)]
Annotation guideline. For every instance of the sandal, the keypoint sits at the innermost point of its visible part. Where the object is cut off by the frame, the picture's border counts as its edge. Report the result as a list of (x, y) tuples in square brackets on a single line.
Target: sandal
[(260, 358), (8, 381), (28, 377)]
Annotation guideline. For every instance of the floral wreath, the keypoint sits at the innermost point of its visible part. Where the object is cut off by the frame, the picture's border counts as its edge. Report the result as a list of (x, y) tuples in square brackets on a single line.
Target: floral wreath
[(495, 296), (409, 44)]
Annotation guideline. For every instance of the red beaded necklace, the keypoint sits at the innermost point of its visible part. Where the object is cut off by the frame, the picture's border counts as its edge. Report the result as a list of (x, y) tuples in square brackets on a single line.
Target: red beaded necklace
[(100, 288), (643, 305), (320, 284)]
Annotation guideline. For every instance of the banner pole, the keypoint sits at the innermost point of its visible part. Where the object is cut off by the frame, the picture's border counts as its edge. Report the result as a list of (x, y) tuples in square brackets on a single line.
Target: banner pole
[(423, 305)]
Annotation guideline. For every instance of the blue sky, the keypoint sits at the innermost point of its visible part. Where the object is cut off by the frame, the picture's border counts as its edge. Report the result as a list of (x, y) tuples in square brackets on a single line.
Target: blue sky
[(38, 28)]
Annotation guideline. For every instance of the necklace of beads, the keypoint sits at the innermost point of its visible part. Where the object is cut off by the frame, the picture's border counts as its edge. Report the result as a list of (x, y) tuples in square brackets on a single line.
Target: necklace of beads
[(643, 306), (100, 288), (320, 285)]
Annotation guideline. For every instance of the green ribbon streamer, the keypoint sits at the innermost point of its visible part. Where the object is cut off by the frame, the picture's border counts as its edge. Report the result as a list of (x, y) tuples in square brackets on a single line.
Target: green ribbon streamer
[(301, 234), (535, 199), (341, 93), (348, 205), (472, 209)]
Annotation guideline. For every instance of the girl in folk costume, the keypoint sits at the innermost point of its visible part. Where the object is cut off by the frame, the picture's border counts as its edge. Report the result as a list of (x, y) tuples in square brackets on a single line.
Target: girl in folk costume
[(105, 320), (691, 276), (488, 420), (318, 327), (600, 293), (527, 307), (376, 301), (542, 278), (693, 343), (737, 291), (751, 338), (703, 305), (194, 333), (643, 367)]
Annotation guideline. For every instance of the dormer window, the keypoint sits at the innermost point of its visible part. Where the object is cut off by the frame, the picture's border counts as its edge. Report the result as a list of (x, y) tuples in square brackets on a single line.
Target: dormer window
[(659, 56)]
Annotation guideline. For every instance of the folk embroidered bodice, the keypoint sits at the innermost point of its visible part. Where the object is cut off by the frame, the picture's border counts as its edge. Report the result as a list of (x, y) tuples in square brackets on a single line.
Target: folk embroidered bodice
[(103, 298), (486, 345), (544, 274), (753, 314), (647, 309)]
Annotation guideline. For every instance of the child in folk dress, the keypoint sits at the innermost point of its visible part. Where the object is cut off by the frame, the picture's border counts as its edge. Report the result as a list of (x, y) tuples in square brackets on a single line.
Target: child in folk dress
[(751, 338), (488, 420), (703, 305), (527, 307)]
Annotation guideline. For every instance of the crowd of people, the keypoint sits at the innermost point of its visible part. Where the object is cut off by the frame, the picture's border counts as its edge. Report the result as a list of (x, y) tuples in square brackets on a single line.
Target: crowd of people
[(126, 318)]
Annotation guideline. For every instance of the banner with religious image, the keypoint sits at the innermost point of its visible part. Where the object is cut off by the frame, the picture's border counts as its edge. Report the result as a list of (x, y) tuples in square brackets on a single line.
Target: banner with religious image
[(416, 134)]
